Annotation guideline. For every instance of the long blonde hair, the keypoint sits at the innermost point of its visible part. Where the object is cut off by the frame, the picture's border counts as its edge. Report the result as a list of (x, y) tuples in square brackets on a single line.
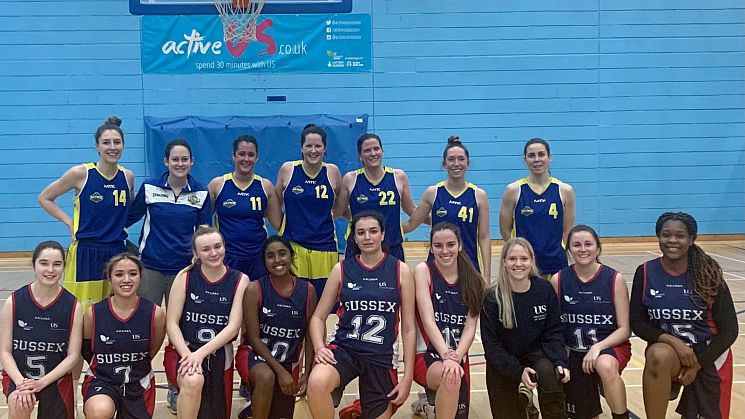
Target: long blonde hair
[(502, 288)]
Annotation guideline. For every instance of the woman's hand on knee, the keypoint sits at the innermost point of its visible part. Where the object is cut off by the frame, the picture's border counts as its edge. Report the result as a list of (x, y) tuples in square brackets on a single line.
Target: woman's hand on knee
[(325, 356), (287, 383), (451, 371), (688, 374), (588, 362), (562, 374), (526, 378), (190, 363), (23, 399), (685, 353)]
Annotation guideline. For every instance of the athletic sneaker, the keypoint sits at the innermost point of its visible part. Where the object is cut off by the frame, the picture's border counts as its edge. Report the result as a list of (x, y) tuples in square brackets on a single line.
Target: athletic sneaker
[(246, 412), (353, 411), (418, 406), (526, 395), (171, 398)]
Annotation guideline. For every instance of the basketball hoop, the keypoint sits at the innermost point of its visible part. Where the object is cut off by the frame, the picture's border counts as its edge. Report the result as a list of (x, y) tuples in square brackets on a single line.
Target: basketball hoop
[(239, 19)]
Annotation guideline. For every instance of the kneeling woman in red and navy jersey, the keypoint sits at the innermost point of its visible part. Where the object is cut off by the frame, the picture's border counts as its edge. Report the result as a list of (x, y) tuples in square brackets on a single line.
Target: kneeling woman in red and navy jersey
[(203, 318), (40, 334), (373, 290), (277, 309), (594, 307), (449, 294), (681, 306), (121, 335)]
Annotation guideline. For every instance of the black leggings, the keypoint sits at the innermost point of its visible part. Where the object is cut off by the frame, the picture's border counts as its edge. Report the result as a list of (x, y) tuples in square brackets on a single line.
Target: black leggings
[(504, 398)]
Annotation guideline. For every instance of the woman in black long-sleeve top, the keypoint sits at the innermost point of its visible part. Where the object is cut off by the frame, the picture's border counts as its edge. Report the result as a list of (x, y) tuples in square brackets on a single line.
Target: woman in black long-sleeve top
[(681, 306), (522, 336)]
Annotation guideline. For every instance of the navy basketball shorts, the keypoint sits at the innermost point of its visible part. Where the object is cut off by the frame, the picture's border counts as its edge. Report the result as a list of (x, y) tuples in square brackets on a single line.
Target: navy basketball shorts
[(252, 267), (582, 391), (134, 400), (375, 382), (55, 401), (423, 361), (217, 391)]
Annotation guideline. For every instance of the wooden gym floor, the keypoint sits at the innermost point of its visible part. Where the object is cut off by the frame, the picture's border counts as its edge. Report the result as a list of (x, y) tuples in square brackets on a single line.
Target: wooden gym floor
[(624, 257)]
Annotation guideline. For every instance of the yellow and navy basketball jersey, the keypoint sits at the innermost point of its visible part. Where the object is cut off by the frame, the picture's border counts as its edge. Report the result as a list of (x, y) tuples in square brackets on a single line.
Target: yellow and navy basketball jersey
[(586, 308), (121, 347), (100, 210), (539, 218), (40, 333), (308, 203), (283, 319), (370, 303), (381, 197), (449, 309), (239, 215), (463, 211), (207, 306), (673, 306)]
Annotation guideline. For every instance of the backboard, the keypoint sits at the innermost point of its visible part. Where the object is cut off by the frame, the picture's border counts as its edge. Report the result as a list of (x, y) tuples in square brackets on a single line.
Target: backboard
[(207, 7)]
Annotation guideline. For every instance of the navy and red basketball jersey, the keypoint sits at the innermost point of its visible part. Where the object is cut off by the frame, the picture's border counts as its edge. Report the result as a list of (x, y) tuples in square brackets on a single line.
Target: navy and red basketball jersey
[(370, 302), (674, 307), (463, 211), (40, 333), (381, 197), (239, 215), (449, 309), (100, 208), (207, 305), (121, 347), (308, 203), (539, 218), (283, 319), (586, 308)]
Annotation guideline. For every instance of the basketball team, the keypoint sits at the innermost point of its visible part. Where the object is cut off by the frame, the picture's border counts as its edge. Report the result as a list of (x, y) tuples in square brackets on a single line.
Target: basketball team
[(205, 255)]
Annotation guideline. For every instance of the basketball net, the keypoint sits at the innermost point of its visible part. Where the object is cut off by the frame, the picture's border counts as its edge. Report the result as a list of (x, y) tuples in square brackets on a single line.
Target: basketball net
[(239, 19)]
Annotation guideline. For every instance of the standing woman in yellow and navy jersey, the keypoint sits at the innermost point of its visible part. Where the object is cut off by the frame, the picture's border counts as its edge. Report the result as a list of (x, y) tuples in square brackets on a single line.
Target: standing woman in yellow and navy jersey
[(241, 200), (102, 195), (459, 202), (307, 188)]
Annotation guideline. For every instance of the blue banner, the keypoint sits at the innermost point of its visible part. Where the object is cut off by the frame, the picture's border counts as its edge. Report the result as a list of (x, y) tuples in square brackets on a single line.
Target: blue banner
[(284, 43)]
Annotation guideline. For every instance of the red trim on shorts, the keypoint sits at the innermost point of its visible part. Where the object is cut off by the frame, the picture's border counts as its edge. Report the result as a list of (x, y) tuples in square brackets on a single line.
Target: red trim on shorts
[(725, 373), (241, 362), (6, 384), (64, 388), (393, 373), (150, 397), (227, 385), (170, 360), (623, 355), (420, 370)]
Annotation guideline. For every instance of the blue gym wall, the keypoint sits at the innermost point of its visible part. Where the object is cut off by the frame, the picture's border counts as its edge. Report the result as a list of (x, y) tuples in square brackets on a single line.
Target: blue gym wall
[(643, 105)]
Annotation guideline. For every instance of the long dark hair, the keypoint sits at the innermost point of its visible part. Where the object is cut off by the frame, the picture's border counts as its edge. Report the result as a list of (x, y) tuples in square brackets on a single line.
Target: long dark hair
[(703, 271), (351, 243), (472, 285), (278, 239)]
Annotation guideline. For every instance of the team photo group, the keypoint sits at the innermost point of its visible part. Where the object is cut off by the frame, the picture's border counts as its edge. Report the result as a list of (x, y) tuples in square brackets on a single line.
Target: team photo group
[(553, 319)]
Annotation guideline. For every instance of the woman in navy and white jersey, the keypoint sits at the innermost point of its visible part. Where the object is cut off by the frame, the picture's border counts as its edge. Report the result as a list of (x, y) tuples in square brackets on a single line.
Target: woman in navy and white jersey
[(522, 336), (241, 200), (594, 307), (173, 205), (539, 208), (307, 188), (460, 202), (103, 193), (449, 294), (277, 308), (40, 335), (682, 307), (373, 290), (121, 336), (377, 188)]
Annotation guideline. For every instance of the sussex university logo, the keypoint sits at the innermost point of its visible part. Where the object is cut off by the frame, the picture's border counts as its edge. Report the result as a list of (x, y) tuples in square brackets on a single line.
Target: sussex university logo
[(106, 340), (195, 298), (267, 312), (297, 190), (439, 297), (527, 211), (569, 300), (229, 203), (441, 212), (352, 286), (96, 197), (25, 326), (193, 199), (362, 199), (656, 294)]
